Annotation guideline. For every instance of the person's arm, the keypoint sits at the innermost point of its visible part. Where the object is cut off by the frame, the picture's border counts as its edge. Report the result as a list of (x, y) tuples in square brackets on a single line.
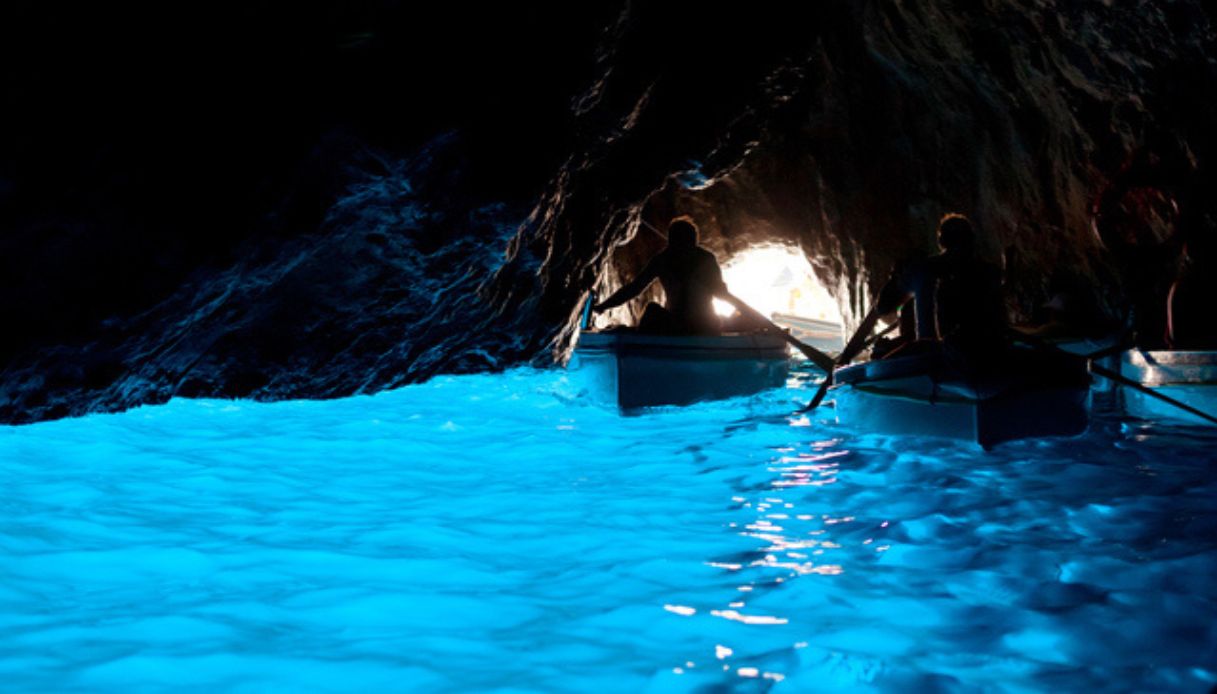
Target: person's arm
[(892, 296), (634, 288)]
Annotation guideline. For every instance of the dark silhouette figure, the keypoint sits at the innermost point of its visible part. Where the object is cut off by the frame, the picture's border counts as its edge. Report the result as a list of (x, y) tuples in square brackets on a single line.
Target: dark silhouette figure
[(690, 276), (955, 297), (971, 310)]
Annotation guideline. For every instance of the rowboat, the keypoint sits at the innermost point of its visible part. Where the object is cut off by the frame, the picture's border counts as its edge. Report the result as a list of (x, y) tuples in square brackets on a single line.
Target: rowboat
[(1189, 377), (1034, 395), (631, 370)]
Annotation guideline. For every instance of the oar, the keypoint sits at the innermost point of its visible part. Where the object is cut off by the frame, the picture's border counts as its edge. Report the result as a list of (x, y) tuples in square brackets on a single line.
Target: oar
[(1118, 378), (854, 347), (817, 357)]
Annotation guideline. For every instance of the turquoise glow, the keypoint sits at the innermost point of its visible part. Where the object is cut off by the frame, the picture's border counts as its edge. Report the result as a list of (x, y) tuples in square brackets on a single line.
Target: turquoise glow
[(496, 532)]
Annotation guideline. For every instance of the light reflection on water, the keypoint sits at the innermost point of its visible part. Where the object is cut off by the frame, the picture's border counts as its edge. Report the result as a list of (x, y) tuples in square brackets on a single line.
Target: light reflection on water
[(491, 531)]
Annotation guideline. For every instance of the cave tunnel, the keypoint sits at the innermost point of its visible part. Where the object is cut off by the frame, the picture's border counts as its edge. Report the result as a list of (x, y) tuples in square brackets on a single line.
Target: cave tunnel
[(760, 251)]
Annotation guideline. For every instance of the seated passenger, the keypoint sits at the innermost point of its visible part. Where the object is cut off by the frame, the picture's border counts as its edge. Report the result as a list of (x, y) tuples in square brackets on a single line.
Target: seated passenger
[(971, 312), (690, 277), (954, 296)]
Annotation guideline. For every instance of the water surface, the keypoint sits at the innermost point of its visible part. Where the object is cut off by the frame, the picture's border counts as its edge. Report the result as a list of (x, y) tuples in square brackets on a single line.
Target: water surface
[(499, 533)]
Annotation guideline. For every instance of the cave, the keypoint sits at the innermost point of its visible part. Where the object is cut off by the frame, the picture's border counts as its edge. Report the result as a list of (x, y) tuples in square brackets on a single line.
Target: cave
[(297, 392), (376, 243)]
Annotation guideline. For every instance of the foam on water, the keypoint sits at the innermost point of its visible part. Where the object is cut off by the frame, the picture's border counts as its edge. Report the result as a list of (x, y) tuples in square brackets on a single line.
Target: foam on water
[(498, 533)]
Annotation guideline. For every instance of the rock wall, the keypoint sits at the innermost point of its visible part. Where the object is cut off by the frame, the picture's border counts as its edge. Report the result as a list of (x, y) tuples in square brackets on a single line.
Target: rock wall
[(849, 128), (373, 250)]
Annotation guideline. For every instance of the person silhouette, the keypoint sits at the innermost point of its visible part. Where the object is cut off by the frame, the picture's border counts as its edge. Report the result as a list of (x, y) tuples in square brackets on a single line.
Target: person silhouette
[(971, 312), (955, 298), (690, 276)]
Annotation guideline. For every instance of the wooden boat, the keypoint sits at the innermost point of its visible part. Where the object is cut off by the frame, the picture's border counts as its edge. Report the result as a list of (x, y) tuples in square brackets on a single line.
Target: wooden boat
[(1189, 377), (632, 370), (1035, 395), (824, 335)]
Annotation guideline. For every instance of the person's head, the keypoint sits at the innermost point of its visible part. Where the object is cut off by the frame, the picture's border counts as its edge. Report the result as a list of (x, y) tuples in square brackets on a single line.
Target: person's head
[(682, 233), (955, 233)]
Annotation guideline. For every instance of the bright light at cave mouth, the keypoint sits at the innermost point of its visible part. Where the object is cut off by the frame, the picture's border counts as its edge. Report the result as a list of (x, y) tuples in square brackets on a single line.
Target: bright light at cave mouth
[(777, 279)]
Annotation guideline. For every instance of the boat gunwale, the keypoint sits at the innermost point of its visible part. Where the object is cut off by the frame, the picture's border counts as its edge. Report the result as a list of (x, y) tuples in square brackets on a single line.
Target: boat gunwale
[(1170, 368), (755, 346)]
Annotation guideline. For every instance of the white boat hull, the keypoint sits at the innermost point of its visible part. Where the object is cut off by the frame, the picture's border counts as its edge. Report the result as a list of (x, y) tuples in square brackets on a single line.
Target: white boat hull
[(1189, 377), (922, 396)]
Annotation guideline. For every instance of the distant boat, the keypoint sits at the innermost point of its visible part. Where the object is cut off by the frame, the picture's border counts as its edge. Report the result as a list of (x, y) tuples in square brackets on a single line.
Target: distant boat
[(1038, 395), (631, 370), (1189, 377), (824, 335)]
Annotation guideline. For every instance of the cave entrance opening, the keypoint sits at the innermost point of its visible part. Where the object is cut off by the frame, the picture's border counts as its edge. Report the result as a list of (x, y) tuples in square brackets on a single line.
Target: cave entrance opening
[(779, 282)]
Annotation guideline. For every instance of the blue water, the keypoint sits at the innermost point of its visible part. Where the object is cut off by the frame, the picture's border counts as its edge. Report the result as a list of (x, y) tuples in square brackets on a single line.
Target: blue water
[(497, 533)]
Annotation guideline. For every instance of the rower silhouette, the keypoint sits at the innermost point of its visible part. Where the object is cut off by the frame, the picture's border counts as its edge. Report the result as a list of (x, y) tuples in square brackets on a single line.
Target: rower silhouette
[(690, 277), (955, 297)]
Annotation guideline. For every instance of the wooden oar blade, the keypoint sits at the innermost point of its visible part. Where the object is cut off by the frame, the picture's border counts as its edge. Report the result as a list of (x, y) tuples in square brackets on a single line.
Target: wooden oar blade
[(820, 393)]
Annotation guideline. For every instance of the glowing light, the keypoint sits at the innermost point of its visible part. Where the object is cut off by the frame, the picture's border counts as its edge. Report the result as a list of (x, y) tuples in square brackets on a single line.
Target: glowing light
[(680, 610), (777, 279)]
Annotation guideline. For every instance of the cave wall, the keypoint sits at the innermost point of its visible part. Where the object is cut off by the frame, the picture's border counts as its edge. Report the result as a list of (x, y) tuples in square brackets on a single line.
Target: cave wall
[(267, 200), (367, 245), (852, 134)]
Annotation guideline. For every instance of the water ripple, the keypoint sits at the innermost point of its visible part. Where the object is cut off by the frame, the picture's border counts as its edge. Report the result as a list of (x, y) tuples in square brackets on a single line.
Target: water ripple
[(483, 532)]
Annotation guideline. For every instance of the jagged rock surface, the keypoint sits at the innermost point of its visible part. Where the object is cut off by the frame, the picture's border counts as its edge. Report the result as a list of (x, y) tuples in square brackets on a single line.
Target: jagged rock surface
[(1077, 135), (854, 126)]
